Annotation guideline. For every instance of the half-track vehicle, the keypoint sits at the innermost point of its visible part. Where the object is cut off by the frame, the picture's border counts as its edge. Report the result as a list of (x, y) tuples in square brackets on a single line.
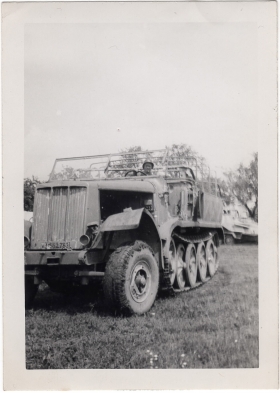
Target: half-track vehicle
[(238, 226), (103, 218)]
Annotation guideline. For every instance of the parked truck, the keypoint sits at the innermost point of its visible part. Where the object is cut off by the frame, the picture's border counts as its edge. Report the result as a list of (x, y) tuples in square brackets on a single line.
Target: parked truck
[(105, 218)]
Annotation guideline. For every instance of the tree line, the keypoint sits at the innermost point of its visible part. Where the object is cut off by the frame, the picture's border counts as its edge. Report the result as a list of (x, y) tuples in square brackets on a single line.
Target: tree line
[(240, 185)]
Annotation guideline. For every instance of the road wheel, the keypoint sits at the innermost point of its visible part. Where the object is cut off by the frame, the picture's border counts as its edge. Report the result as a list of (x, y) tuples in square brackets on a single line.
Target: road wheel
[(180, 271), (191, 265), (30, 291), (131, 279), (201, 261), (229, 240), (172, 261), (212, 257)]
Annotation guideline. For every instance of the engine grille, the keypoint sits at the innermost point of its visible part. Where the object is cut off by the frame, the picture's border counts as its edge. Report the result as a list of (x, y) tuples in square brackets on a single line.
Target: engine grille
[(59, 216)]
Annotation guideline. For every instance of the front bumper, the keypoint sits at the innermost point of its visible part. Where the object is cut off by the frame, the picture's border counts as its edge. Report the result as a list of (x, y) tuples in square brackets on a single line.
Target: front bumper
[(46, 257), (77, 265), (50, 257)]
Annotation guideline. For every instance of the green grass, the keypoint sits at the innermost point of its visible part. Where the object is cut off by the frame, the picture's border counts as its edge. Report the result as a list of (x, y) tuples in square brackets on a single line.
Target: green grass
[(214, 326)]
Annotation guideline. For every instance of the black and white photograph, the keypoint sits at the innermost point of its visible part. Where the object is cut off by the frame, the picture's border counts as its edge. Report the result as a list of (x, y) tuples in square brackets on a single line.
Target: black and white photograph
[(144, 130)]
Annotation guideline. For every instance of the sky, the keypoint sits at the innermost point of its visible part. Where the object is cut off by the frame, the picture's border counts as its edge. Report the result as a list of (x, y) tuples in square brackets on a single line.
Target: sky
[(99, 88)]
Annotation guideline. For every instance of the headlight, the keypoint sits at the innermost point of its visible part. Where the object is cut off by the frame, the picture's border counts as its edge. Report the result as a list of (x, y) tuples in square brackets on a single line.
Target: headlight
[(90, 234), (85, 240)]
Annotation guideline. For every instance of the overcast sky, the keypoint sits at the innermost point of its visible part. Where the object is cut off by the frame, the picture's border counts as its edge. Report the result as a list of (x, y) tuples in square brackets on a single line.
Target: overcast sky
[(99, 88)]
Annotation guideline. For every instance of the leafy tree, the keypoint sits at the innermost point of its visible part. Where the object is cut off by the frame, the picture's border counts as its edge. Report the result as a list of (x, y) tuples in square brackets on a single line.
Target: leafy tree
[(177, 153), (182, 151), (132, 149), (243, 185), (67, 172), (29, 186), (226, 192), (130, 160)]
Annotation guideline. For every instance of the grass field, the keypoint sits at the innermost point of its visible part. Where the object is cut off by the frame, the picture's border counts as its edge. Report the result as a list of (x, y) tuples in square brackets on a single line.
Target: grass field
[(215, 326)]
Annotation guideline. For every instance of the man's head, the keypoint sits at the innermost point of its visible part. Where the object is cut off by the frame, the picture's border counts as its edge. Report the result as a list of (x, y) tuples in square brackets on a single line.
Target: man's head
[(147, 167)]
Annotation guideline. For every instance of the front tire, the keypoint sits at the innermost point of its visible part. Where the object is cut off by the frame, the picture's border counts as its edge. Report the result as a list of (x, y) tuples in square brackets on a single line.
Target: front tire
[(131, 279)]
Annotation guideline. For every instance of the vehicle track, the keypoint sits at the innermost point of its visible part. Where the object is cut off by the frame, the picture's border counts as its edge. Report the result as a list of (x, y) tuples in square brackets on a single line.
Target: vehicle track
[(166, 283)]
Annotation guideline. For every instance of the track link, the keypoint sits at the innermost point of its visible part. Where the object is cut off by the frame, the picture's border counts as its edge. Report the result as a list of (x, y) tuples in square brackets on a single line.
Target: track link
[(166, 284)]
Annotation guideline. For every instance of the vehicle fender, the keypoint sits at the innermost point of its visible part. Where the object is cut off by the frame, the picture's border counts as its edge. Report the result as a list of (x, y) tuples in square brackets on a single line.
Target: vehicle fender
[(129, 219), (132, 225), (167, 228), (232, 225), (234, 234), (233, 228)]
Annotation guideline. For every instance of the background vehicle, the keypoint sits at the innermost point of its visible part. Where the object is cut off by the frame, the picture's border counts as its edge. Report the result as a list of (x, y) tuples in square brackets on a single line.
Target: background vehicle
[(102, 218), (238, 226)]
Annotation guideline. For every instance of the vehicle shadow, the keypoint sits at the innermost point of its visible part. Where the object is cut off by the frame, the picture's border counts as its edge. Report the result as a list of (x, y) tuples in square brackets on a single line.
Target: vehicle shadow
[(80, 300)]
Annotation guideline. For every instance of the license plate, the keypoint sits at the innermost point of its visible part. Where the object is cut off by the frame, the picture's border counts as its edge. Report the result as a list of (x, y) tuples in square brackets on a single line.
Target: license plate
[(56, 245)]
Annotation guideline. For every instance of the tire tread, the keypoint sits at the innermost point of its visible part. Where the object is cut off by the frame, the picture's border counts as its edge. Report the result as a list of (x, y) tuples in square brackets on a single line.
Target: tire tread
[(115, 275)]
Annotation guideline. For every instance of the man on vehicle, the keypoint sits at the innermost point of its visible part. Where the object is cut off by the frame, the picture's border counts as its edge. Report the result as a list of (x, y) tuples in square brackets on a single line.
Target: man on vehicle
[(147, 168)]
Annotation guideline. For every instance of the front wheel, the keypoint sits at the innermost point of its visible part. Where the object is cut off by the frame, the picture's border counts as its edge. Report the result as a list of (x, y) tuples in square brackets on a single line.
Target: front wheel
[(131, 279)]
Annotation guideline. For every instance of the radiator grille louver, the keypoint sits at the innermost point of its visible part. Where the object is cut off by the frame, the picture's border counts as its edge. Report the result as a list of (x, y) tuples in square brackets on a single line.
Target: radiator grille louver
[(75, 216), (41, 213), (59, 215), (57, 218)]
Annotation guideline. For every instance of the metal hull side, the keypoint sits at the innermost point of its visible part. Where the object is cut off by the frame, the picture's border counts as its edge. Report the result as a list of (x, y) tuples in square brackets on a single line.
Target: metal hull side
[(212, 208)]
